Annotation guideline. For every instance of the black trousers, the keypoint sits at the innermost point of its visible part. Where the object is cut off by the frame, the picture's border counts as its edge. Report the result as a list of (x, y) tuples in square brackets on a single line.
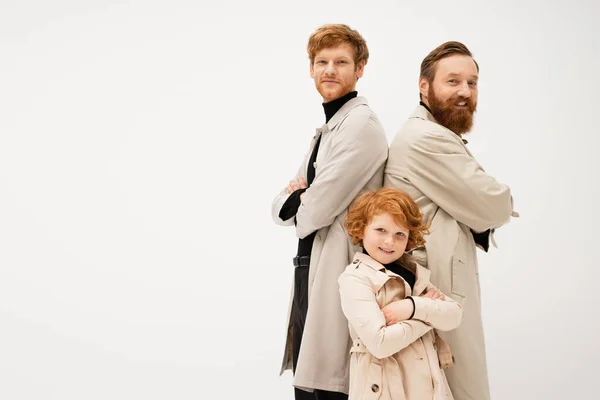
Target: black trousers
[(299, 309), (319, 395)]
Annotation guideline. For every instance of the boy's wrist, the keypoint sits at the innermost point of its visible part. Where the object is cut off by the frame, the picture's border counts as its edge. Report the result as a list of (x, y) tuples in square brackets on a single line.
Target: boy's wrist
[(413, 306)]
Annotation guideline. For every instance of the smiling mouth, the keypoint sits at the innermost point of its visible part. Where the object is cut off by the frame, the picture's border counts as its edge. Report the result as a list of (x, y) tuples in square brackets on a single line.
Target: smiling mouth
[(386, 251)]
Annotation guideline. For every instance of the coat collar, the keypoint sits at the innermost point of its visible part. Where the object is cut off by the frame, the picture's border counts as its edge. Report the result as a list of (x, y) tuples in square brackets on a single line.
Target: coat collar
[(422, 274), (341, 114), (422, 113)]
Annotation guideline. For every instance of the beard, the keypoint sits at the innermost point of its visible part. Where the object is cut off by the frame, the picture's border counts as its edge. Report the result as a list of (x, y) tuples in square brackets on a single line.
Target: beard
[(330, 93), (458, 121)]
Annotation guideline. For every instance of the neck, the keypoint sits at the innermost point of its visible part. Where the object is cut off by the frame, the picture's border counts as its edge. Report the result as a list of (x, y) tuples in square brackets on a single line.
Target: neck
[(333, 106)]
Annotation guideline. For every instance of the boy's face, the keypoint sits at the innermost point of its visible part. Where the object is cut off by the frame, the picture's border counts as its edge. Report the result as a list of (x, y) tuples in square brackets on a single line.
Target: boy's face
[(384, 239)]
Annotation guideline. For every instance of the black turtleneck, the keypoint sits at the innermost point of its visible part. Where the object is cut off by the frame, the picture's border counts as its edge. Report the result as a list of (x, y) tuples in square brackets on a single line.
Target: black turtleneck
[(398, 269), (291, 205), (405, 273), (334, 105)]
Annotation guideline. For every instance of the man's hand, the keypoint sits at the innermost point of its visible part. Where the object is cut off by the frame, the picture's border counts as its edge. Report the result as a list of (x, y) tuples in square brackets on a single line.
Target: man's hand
[(398, 311), (295, 184), (298, 183)]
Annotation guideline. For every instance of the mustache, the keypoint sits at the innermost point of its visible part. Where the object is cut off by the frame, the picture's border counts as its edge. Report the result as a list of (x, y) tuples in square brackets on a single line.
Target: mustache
[(467, 100)]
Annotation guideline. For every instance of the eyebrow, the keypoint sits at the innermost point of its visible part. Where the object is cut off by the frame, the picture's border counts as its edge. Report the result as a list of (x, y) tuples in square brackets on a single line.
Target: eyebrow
[(457, 75), (335, 58)]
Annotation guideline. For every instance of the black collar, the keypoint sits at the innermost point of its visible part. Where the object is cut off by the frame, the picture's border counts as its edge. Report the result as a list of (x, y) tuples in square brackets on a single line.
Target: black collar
[(334, 106), (398, 269), (425, 105)]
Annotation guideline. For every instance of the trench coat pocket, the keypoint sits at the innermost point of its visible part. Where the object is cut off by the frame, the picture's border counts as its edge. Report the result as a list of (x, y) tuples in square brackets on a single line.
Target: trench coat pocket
[(374, 383), (460, 269)]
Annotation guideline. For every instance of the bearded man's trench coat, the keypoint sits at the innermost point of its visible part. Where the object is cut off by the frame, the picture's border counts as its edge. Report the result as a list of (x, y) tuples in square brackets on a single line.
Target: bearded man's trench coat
[(433, 165)]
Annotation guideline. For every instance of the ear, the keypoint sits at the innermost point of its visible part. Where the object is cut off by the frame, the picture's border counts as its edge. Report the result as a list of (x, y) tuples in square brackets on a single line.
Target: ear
[(424, 87), (312, 70), (360, 69)]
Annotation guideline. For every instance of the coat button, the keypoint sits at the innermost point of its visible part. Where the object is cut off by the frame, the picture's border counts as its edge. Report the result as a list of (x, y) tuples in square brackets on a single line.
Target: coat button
[(355, 261), (375, 388)]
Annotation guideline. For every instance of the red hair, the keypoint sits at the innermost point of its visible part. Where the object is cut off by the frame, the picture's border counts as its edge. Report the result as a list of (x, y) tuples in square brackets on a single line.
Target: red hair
[(333, 35), (395, 202)]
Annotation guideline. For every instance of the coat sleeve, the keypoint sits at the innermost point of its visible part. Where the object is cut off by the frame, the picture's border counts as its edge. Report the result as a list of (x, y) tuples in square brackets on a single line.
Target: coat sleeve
[(359, 149), (443, 171), (282, 196), (360, 307), (443, 315), (276, 207)]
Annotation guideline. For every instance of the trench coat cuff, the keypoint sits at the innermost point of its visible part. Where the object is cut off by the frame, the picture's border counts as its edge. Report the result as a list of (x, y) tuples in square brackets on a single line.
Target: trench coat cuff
[(414, 307), (482, 240), (423, 307), (291, 205)]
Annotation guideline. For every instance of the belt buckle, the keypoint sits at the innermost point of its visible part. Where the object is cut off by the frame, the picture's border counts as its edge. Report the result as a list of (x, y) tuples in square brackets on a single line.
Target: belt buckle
[(301, 261)]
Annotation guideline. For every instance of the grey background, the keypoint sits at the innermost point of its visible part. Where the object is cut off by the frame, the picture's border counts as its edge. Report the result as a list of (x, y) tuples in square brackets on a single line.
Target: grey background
[(137, 255)]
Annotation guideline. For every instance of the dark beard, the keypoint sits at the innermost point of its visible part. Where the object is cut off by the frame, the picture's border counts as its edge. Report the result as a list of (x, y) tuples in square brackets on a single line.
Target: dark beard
[(457, 120)]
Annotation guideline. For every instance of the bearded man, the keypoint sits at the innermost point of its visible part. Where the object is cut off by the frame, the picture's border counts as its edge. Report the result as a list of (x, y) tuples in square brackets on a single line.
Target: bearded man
[(429, 160)]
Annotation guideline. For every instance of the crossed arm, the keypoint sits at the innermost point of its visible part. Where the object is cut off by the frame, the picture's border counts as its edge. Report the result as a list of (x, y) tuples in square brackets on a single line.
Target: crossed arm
[(387, 331), (442, 169), (357, 151), (360, 307), (432, 307)]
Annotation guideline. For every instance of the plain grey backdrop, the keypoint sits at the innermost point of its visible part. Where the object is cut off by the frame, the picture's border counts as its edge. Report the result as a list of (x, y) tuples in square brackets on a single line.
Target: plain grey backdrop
[(141, 144)]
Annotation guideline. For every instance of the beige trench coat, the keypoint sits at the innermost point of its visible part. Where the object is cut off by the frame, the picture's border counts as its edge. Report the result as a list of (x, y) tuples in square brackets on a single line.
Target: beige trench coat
[(351, 159), (403, 361), (434, 166)]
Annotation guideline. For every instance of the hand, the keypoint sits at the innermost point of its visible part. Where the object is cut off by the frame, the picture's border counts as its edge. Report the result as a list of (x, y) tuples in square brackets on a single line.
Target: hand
[(298, 183), (398, 311), (434, 294)]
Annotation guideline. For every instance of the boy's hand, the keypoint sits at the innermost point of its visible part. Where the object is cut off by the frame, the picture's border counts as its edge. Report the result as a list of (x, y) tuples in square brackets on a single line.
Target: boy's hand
[(434, 294), (398, 311)]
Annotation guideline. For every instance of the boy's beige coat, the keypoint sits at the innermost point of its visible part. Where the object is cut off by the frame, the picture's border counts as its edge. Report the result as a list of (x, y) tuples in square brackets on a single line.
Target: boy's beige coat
[(400, 361)]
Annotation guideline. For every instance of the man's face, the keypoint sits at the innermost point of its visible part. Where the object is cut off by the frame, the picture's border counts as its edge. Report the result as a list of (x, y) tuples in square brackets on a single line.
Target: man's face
[(334, 71), (452, 96)]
